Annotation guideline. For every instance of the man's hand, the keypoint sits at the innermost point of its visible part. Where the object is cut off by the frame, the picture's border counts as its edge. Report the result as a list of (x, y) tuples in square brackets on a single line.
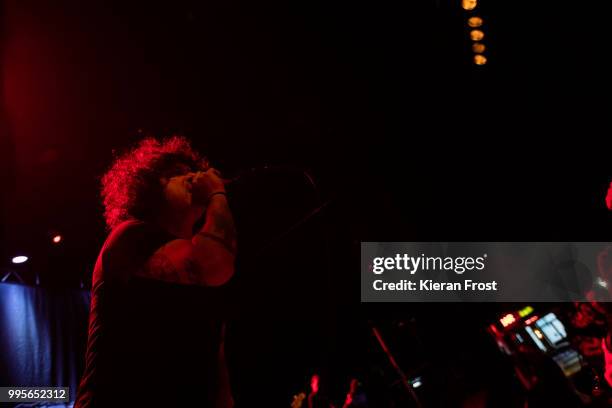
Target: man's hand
[(208, 258), (204, 184)]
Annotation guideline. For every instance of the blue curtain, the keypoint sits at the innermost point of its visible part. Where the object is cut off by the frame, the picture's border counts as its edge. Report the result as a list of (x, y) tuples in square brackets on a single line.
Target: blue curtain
[(43, 333)]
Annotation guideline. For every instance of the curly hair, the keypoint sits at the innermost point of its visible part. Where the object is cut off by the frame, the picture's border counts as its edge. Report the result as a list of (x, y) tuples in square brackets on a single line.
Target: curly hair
[(131, 188)]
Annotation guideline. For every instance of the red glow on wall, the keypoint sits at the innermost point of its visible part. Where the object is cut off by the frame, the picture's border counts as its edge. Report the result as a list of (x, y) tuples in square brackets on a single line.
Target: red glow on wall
[(609, 197)]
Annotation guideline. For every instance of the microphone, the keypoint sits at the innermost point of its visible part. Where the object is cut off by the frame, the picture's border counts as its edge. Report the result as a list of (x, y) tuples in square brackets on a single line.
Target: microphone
[(256, 171), (243, 175)]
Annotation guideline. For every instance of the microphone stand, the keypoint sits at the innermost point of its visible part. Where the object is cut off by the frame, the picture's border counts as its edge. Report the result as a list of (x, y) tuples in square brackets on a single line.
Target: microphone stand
[(313, 213), (397, 368)]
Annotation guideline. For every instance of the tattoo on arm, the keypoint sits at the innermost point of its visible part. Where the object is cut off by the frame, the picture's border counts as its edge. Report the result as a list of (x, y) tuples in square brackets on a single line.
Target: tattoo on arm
[(160, 267), (191, 270)]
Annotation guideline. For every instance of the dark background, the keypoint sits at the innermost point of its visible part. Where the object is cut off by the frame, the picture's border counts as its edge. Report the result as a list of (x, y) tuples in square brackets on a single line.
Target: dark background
[(405, 137)]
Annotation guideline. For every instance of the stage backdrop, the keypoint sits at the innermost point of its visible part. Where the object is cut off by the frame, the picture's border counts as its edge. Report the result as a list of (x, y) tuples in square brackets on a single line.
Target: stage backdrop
[(42, 336)]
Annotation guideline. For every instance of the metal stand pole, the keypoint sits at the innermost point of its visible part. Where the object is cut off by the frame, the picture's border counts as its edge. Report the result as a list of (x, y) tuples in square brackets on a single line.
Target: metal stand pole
[(397, 368)]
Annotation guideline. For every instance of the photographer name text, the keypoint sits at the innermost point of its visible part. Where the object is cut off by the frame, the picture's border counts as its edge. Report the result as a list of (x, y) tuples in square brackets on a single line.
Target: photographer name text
[(428, 285)]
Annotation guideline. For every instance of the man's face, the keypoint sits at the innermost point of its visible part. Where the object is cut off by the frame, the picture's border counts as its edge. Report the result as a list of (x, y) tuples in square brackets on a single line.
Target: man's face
[(177, 191), (177, 188)]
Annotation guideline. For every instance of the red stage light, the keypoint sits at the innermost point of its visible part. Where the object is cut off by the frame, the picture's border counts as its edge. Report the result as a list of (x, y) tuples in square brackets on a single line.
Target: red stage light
[(57, 239), (609, 197), (314, 384)]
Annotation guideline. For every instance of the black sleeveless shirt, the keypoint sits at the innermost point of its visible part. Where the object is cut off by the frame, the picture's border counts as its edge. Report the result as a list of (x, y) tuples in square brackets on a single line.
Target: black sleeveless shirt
[(150, 343)]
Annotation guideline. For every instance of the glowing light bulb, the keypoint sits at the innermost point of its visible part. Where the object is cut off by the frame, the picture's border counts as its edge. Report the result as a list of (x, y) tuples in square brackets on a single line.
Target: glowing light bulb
[(469, 4), (474, 21), (19, 259), (478, 48), (480, 59), (476, 35)]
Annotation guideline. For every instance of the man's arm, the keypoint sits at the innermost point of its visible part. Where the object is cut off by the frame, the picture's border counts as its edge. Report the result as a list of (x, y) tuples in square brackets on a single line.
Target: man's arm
[(208, 258), (214, 246)]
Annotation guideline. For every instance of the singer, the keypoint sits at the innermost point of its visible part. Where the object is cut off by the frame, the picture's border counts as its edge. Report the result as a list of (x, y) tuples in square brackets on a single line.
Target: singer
[(156, 330)]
